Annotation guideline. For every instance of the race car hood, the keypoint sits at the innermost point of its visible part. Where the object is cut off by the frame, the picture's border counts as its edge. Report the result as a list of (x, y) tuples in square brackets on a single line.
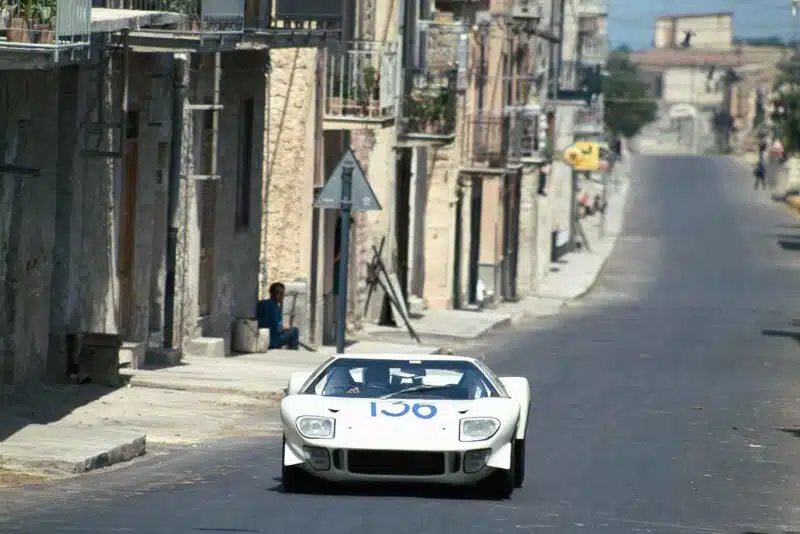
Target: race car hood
[(399, 423)]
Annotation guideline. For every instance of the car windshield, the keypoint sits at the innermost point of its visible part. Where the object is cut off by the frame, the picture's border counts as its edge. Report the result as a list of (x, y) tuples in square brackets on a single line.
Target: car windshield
[(398, 379)]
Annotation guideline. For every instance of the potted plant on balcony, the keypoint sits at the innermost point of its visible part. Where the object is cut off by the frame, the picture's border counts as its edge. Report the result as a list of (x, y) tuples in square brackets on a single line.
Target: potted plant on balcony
[(369, 92), (416, 112), (18, 24), (440, 111), (187, 8), (43, 18)]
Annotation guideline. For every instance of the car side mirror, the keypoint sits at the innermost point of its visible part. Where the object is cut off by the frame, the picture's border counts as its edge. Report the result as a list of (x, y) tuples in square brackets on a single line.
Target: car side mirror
[(296, 382)]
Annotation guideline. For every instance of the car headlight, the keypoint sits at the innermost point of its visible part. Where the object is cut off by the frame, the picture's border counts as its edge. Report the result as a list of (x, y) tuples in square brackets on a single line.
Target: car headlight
[(313, 427), (478, 428)]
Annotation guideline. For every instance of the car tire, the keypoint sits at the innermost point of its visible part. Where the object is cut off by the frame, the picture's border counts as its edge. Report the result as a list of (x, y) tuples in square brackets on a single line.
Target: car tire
[(500, 484), (519, 463), (294, 479)]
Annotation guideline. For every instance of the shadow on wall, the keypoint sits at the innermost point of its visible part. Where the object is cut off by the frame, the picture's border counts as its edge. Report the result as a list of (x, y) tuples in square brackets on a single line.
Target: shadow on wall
[(58, 242)]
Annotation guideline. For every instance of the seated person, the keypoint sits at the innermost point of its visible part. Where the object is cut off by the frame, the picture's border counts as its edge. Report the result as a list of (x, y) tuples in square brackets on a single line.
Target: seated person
[(376, 377), (338, 381), (279, 336)]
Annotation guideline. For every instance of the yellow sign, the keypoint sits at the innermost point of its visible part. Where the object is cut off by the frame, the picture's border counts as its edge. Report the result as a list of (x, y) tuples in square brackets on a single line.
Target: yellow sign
[(583, 156)]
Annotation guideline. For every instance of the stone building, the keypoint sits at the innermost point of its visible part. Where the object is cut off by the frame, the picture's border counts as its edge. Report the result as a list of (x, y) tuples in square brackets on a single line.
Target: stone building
[(133, 145)]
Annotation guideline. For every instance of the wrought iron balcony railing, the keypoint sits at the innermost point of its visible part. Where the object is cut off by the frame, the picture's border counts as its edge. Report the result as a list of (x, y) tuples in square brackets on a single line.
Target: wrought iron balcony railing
[(198, 16), (46, 25), (528, 134), (589, 120), (429, 111), (486, 142), (576, 80), (361, 81)]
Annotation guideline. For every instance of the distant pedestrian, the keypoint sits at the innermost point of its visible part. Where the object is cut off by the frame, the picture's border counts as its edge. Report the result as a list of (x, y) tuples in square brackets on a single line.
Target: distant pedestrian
[(280, 336), (760, 173), (618, 149)]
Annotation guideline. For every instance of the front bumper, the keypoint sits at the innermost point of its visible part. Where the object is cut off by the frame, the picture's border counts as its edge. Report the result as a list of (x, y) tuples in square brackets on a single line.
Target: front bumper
[(456, 467)]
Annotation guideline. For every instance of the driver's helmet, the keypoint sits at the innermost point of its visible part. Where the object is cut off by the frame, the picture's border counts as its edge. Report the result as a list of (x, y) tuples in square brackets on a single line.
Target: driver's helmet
[(376, 374)]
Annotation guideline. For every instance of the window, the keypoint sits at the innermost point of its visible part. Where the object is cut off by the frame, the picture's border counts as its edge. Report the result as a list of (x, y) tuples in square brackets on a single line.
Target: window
[(403, 379), (244, 178)]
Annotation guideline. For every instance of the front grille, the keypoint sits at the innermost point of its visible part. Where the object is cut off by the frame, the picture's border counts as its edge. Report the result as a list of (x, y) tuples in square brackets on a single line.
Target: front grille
[(413, 463)]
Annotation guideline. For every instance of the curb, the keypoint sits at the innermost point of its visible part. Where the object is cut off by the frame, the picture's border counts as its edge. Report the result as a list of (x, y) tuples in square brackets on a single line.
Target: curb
[(121, 453), (138, 382)]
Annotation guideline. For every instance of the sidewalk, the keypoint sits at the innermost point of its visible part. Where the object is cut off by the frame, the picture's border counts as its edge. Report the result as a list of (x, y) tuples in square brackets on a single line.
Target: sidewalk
[(575, 274), (262, 376)]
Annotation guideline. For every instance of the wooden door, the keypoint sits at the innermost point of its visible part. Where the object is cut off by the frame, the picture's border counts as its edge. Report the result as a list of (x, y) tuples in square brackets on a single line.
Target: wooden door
[(130, 180)]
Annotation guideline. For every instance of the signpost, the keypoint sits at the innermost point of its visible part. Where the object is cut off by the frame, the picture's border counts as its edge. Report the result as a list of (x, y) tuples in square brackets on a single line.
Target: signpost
[(347, 189), (583, 156)]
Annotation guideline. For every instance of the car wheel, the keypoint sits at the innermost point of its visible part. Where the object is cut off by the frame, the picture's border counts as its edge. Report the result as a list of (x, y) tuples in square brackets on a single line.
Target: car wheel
[(519, 463), (294, 479), (500, 484)]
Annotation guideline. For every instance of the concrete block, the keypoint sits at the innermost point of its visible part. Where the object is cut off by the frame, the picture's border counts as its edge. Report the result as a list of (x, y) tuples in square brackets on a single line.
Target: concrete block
[(248, 338), (162, 356), (207, 346), (70, 449), (133, 353), (416, 306)]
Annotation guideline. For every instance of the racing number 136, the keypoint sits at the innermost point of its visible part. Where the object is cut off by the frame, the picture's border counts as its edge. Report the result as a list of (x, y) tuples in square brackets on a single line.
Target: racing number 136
[(421, 411)]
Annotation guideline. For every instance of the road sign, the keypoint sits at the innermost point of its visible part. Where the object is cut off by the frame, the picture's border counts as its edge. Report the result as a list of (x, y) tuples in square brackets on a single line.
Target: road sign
[(347, 189), (362, 197), (583, 156)]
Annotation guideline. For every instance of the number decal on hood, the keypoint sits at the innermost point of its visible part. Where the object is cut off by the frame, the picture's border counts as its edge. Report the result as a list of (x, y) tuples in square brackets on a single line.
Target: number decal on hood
[(420, 411)]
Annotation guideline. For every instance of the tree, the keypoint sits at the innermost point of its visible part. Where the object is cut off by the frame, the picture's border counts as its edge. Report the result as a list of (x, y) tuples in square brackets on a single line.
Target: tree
[(786, 115), (629, 107)]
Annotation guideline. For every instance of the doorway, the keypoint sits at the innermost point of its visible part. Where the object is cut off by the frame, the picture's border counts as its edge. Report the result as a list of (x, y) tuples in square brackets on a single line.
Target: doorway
[(476, 208), (458, 244), (130, 181), (511, 205)]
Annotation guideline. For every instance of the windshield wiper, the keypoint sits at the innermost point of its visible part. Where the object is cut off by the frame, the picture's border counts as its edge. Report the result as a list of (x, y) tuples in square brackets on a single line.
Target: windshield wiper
[(412, 389)]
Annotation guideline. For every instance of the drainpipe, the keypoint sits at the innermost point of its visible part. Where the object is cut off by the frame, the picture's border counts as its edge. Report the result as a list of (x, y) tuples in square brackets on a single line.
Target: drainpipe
[(180, 83), (319, 181)]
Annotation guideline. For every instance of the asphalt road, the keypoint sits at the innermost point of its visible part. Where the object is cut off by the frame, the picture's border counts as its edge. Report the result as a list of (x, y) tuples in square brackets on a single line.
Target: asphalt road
[(659, 401)]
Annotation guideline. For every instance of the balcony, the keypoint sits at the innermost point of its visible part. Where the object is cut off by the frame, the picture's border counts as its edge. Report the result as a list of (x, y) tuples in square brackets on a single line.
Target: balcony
[(295, 23), (486, 143), (591, 7), (210, 24), (576, 81), (528, 135), (428, 113), (361, 84), (588, 121), (58, 29), (594, 49)]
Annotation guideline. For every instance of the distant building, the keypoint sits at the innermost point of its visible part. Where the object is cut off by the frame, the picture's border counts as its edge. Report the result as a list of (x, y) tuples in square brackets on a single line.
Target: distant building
[(705, 30)]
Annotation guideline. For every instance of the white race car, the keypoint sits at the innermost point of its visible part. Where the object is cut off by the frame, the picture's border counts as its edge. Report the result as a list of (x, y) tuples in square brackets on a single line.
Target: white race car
[(405, 418)]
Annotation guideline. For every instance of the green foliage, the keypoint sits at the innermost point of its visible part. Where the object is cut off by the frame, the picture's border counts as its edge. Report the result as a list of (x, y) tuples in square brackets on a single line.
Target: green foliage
[(629, 106), (786, 117)]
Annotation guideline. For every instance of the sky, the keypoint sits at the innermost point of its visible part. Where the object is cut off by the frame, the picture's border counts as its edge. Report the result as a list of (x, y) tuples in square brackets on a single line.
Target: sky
[(631, 21)]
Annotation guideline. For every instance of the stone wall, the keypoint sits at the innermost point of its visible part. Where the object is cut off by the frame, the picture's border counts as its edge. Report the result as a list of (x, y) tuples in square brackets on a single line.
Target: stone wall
[(288, 165)]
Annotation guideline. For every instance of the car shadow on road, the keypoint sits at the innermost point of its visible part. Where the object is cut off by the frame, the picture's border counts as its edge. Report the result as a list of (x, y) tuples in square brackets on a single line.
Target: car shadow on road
[(372, 489)]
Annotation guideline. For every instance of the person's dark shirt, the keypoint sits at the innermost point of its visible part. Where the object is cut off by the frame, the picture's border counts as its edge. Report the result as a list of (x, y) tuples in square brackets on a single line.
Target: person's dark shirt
[(274, 313)]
